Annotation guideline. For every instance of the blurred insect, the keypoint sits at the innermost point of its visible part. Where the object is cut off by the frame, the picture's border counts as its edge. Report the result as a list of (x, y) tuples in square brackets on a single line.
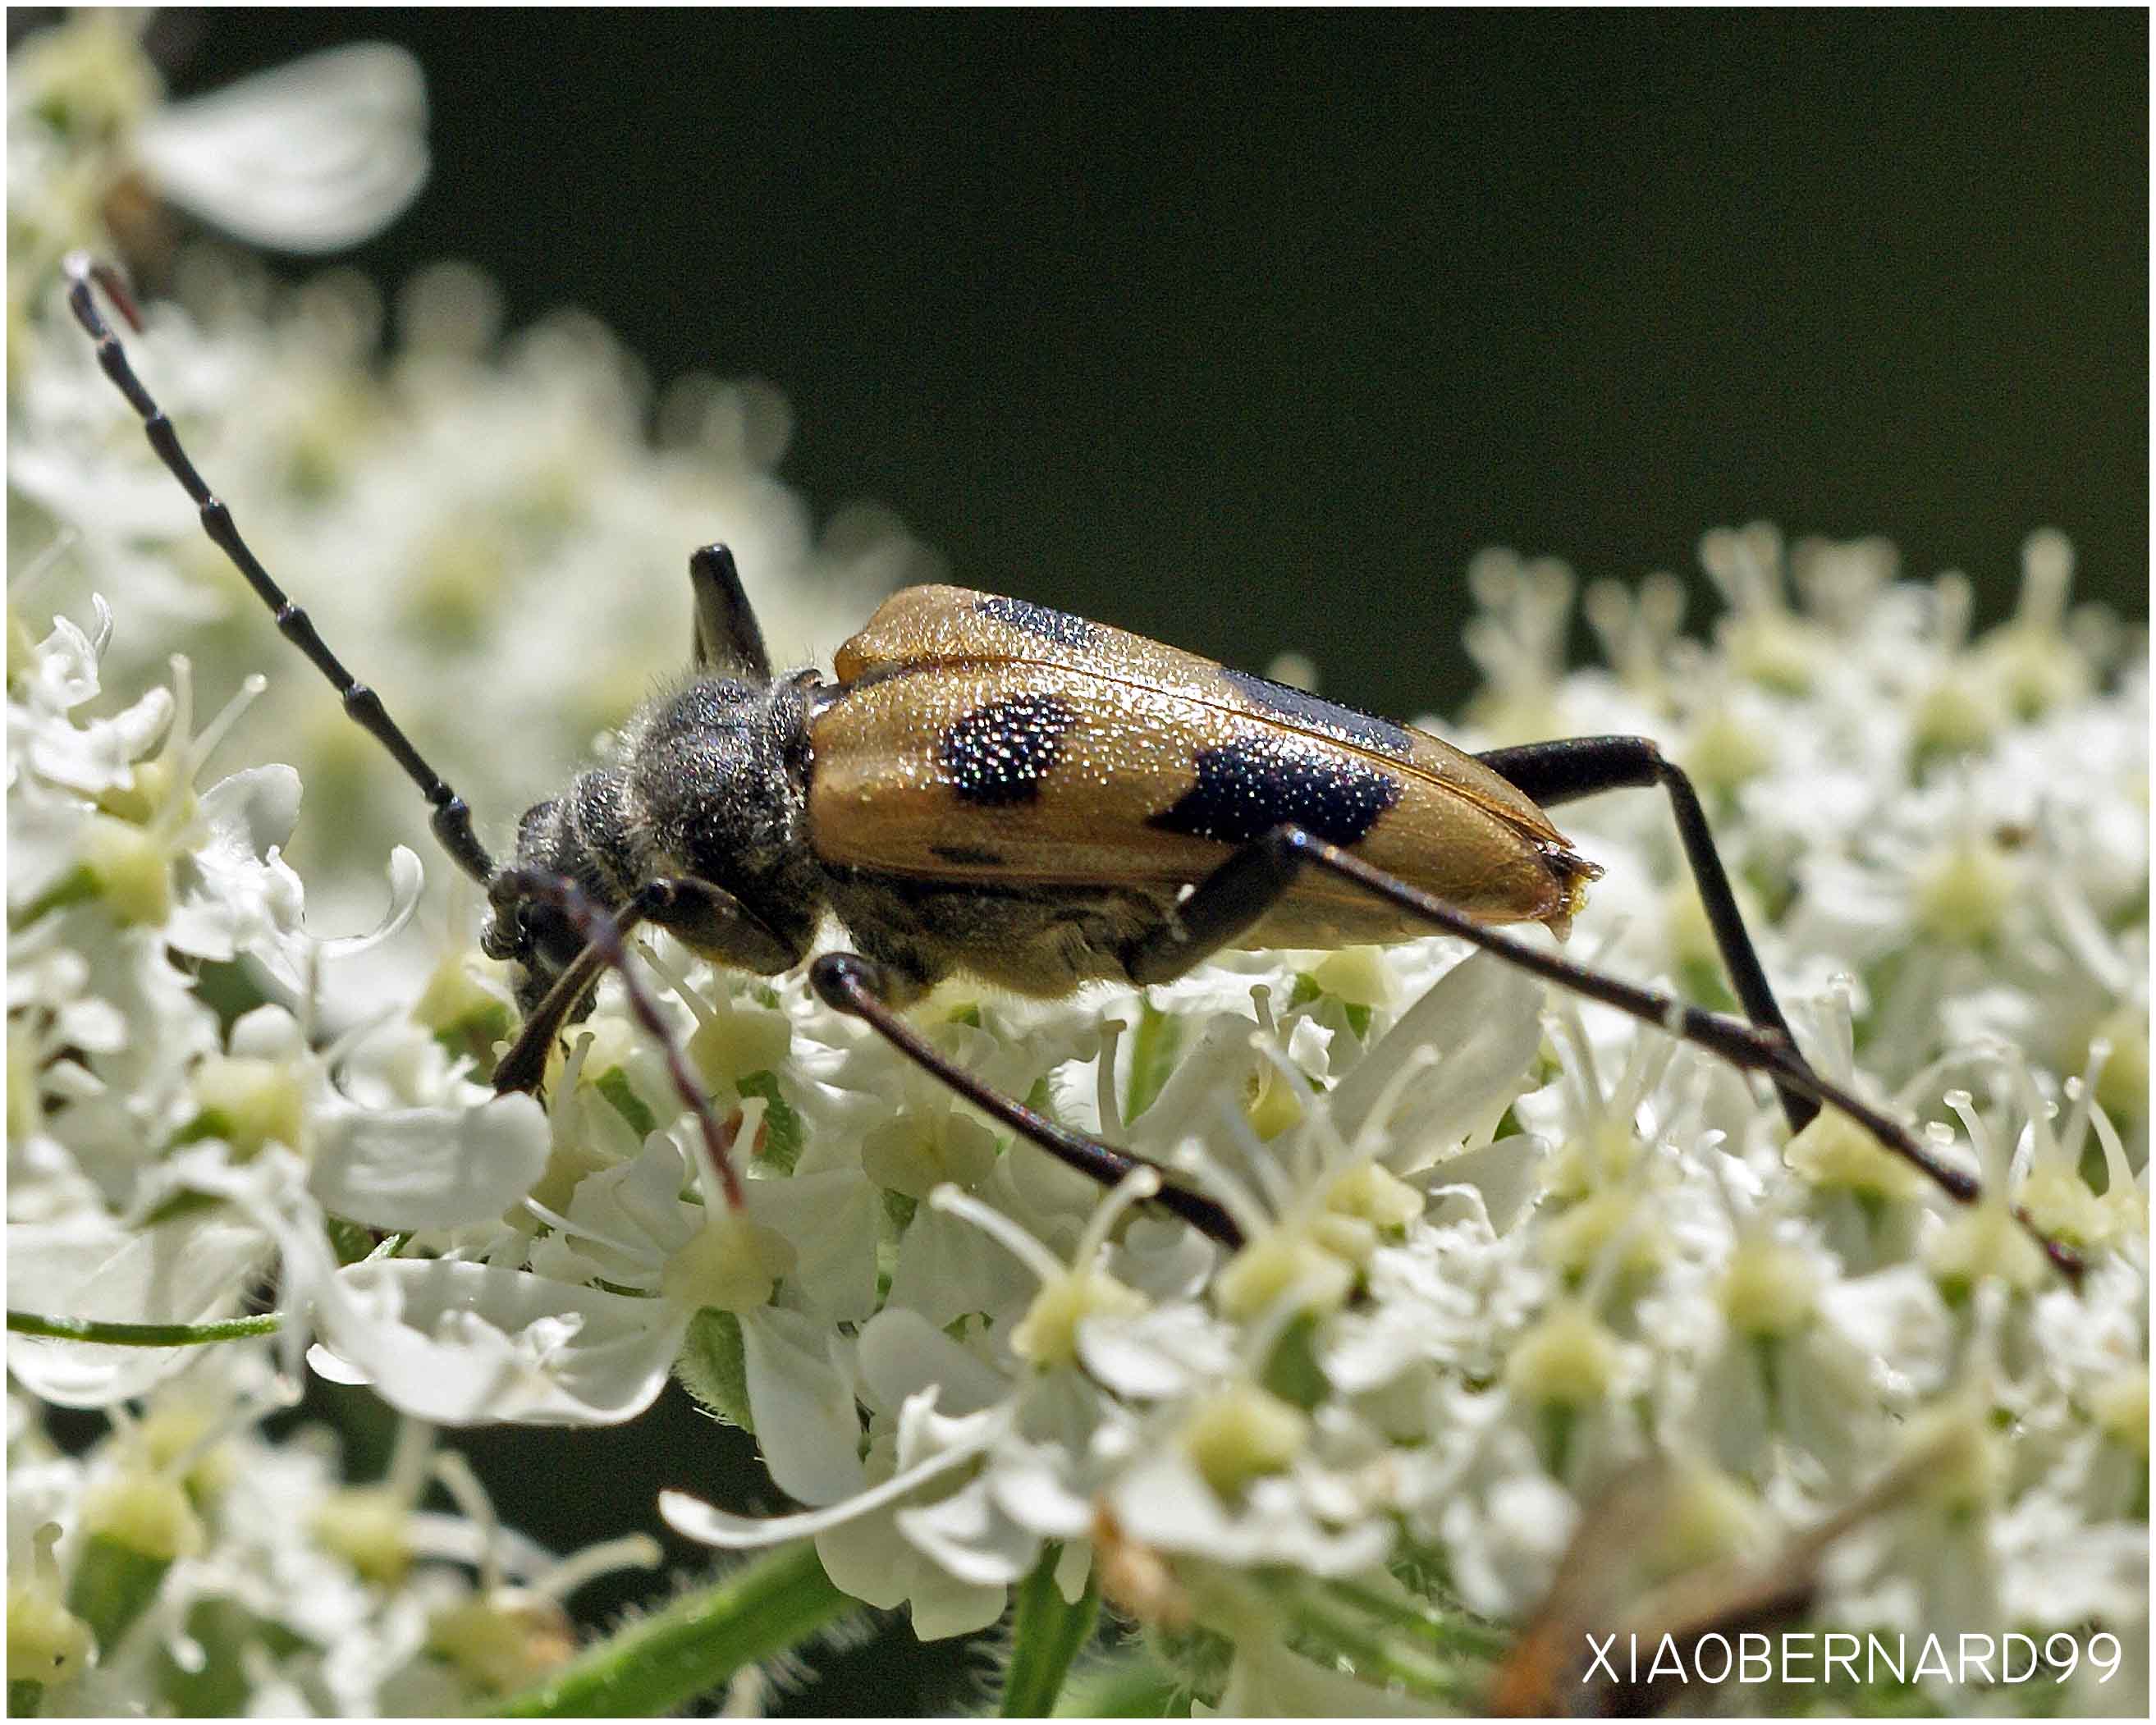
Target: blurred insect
[(1138, 1580), (997, 789), (1600, 1643)]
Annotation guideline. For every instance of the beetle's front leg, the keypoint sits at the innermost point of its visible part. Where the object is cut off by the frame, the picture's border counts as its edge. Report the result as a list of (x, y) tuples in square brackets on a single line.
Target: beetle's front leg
[(850, 983), (701, 910), (604, 948)]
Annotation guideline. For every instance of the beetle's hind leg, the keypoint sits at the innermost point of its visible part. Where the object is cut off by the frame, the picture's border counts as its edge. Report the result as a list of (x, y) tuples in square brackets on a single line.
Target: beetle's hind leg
[(852, 984), (1235, 895), (1574, 766), (1232, 900)]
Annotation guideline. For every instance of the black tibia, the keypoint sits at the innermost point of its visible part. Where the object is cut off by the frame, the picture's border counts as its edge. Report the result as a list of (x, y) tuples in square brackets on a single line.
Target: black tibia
[(1557, 773), (524, 1066), (729, 639), (688, 906), (1244, 879), (452, 819), (853, 985)]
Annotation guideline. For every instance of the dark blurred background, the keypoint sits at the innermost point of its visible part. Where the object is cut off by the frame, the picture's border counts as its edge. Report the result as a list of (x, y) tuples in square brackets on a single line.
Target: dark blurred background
[(1247, 331)]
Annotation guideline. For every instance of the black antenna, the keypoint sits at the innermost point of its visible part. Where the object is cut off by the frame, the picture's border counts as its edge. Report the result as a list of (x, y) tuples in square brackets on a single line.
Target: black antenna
[(452, 818)]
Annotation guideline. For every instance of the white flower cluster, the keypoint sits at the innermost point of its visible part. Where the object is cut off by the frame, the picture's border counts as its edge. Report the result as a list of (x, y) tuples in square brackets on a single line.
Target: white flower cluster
[(1501, 1251), (1498, 1252), (185, 1563)]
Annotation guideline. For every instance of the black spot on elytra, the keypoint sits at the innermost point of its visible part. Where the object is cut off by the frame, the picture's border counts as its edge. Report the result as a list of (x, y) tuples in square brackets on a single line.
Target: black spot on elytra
[(1249, 786), (1328, 718), (1060, 627), (967, 856), (998, 754)]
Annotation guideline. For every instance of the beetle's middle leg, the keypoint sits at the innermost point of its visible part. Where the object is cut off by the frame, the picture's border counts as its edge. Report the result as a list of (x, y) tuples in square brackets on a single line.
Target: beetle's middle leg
[(1232, 900), (856, 986)]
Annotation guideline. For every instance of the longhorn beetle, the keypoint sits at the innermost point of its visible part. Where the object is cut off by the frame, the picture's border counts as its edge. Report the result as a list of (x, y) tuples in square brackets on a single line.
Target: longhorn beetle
[(993, 788)]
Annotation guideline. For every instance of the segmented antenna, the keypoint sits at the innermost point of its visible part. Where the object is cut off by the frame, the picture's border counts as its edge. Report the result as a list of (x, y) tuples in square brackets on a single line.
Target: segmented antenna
[(452, 818)]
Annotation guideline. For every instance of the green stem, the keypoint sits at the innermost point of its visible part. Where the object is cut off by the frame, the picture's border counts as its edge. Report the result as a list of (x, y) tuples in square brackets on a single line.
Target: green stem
[(26, 1697), (1454, 1633), (1376, 1657), (125, 1334), (72, 888), (665, 1662), (1048, 1631)]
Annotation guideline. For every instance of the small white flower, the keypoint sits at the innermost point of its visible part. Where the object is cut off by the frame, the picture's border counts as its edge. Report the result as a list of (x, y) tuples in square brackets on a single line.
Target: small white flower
[(862, 1549), (462, 1344)]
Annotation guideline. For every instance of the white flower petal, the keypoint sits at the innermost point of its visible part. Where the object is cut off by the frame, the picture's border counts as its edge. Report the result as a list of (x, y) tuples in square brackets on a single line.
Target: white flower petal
[(1505, 1175), (969, 1537), (832, 1221), (694, 1519), (1166, 1500), (417, 1169), (1156, 1353), (869, 1558), (462, 1344), (63, 674), (956, 1609), (334, 1368), (1030, 1487), (189, 1270), (806, 1423), (1506, 1546), (1483, 1016), (901, 1353), (947, 1269), (408, 879), (282, 957), (248, 813), (99, 756)]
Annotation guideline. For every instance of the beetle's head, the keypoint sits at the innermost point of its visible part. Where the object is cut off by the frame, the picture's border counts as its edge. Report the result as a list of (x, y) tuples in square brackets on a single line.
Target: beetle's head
[(708, 786)]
